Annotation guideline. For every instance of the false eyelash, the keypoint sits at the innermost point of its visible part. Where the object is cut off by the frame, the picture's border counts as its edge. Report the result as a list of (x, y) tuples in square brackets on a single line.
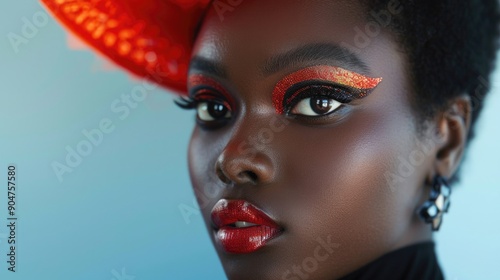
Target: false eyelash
[(341, 94), (186, 103)]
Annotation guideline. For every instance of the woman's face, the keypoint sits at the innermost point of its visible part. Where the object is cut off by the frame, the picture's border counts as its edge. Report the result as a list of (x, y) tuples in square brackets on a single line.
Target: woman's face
[(339, 182)]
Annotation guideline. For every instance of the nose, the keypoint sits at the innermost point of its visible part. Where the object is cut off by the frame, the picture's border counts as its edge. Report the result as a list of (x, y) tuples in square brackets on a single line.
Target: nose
[(241, 163)]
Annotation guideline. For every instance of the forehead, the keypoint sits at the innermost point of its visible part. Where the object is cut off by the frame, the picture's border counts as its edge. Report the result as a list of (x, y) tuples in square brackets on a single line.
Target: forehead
[(265, 27), (244, 38)]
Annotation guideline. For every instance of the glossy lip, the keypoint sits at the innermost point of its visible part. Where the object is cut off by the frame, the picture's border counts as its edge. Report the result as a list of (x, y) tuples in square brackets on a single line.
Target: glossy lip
[(328, 73), (242, 240)]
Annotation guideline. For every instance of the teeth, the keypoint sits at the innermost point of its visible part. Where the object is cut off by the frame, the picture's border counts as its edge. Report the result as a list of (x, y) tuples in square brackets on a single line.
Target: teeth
[(243, 224)]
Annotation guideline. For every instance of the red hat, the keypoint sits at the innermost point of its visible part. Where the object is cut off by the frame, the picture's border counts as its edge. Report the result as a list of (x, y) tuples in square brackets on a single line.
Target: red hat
[(150, 38)]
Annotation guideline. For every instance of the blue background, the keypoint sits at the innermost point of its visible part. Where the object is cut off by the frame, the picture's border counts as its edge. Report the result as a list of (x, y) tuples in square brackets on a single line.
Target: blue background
[(116, 215)]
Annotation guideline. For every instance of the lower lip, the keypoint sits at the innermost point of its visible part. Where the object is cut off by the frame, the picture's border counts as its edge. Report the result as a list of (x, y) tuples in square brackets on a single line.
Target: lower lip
[(245, 240)]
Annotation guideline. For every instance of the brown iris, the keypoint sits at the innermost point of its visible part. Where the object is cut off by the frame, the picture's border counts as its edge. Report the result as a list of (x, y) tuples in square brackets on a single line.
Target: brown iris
[(216, 110), (321, 105)]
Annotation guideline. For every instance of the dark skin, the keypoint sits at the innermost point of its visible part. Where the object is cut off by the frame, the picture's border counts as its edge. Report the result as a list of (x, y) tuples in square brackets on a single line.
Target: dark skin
[(316, 178)]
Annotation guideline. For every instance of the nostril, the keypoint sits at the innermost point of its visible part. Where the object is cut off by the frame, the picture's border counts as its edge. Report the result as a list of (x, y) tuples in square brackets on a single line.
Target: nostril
[(222, 176), (248, 176), (233, 174), (237, 169)]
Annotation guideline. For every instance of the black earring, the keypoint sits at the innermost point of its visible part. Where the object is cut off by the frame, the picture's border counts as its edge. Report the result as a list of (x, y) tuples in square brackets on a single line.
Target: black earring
[(432, 210)]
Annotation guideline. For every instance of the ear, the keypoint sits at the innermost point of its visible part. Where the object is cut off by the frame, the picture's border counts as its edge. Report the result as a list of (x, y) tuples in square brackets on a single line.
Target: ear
[(453, 126)]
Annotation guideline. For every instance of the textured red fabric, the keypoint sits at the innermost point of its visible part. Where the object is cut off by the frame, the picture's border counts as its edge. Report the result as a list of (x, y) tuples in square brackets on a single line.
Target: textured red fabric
[(152, 39)]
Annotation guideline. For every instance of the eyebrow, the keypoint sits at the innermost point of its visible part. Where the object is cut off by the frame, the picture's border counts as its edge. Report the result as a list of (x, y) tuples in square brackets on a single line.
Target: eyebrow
[(315, 52), (303, 54), (202, 64)]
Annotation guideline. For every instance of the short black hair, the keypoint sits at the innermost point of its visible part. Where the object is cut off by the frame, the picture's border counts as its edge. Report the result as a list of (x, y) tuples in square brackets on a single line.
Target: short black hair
[(451, 47)]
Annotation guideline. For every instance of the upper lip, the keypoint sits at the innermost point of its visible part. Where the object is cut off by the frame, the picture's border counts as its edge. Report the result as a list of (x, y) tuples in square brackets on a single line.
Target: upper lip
[(226, 212)]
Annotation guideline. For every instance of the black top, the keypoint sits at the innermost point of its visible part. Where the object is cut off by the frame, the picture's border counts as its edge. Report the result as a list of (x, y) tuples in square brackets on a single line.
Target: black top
[(413, 262)]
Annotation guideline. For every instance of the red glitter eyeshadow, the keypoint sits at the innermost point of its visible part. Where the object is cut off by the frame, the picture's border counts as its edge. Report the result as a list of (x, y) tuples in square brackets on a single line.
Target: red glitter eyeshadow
[(201, 80), (323, 72)]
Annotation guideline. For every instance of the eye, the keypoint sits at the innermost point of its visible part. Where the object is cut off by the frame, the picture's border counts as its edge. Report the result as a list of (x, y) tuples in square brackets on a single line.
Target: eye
[(315, 106), (315, 100), (212, 110), (213, 104)]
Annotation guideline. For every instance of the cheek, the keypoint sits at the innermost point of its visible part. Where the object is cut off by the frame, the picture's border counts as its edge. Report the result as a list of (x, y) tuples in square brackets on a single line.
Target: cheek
[(337, 182), (205, 147), (201, 162)]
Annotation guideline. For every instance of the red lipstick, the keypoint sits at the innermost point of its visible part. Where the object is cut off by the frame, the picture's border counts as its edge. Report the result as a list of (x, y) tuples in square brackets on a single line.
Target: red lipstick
[(241, 227)]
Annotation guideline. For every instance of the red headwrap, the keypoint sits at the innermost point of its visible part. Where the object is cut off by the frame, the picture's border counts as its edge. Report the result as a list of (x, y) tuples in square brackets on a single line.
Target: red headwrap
[(150, 38)]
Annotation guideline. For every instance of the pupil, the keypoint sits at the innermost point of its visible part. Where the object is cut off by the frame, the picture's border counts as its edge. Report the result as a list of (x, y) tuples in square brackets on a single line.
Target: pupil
[(217, 110), (320, 105)]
